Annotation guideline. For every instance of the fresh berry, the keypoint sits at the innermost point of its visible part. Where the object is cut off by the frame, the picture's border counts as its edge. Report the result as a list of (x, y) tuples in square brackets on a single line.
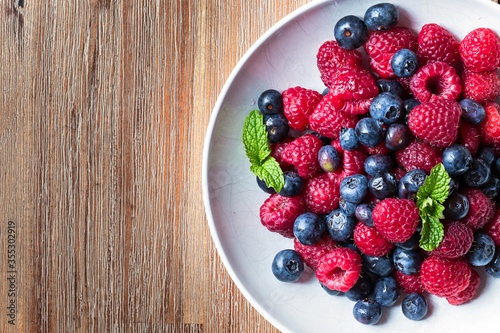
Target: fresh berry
[(377, 164), (493, 268), (411, 183), (492, 229), (311, 254), (472, 111), (437, 79), (332, 57), (444, 277), (380, 149), (482, 251), (362, 289), (435, 43), (390, 86), (354, 188), (381, 266), (456, 159), (478, 174), (468, 293), (418, 155), (414, 306), (330, 291), (369, 132), (350, 32), (456, 206), (480, 50), (409, 105), (270, 102), (276, 127), (294, 184), (487, 154), (263, 186), (489, 129), (298, 105), (370, 241), (469, 137), (303, 153), (348, 139), (277, 149), (364, 213), (409, 283), (481, 208), (387, 108), (396, 219), (339, 269), (404, 63), (367, 311), (386, 291), (354, 161), (381, 16), (412, 243), (308, 228), (481, 87), (492, 187), (329, 158), (398, 137), (287, 266), (457, 241), (436, 122), (383, 185), (347, 208), (278, 213), (321, 195), (328, 118), (340, 226), (407, 261)]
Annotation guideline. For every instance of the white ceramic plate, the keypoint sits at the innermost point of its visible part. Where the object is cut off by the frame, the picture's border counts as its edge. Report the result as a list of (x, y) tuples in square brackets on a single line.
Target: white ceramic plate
[(285, 56)]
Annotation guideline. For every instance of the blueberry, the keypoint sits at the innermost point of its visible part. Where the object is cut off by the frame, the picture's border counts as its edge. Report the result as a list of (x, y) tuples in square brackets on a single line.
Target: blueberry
[(384, 185), (454, 185), (472, 111), (390, 86), (364, 213), (378, 163), (482, 251), (381, 266), (407, 261), (478, 174), (492, 188), (386, 291), (350, 32), (347, 207), (456, 206), (294, 184), (325, 140), (354, 188), (496, 167), (351, 245), (329, 291), (348, 139), (381, 16), (362, 289), (340, 226), (329, 158), (404, 63), (263, 186), (367, 311), (398, 137), (287, 266), (308, 228), (487, 154), (325, 92), (369, 131), (456, 159), (387, 108), (411, 244), (412, 181), (270, 102), (493, 268), (409, 105), (277, 127), (414, 306)]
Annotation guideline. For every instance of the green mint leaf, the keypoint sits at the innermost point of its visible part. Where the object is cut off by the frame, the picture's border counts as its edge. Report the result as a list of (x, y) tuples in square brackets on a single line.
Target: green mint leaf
[(436, 186), (432, 207), (255, 138), (270, 172), (432, 232)]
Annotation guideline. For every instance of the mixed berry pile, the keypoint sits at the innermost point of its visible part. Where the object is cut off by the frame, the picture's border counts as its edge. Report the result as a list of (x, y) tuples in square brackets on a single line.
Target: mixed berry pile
[(388, 180)]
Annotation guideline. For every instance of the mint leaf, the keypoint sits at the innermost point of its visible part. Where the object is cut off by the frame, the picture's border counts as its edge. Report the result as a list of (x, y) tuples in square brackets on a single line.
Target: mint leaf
[(433, 208), (432, 232), (255, 138), (270, 172), (436, 186)]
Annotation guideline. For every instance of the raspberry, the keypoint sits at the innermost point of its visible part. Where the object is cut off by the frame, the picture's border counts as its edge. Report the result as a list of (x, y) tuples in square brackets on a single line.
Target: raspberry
[(380, 149), (410, 283), (444, 277), (331, 57), (481, 87), (278, 213), (489, 129), (396, 219), (480, 50), (435, 43), (303, 153), (468, 293), (328, 119), (469, 137), (339, 269), (354, 161), (277, 149), (457, 241), (436, 122), (298, 105), (370, 241), (481, 209), (311, 254), (321, 195), (437, 79), (418, 155), (492, 228)]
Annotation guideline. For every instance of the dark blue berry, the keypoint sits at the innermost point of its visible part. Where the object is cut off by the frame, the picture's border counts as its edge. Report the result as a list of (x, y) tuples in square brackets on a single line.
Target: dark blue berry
[(331, 292), (404, 63), (325, 92), (347, 207), (381, 16), (384, 185), (308, 228), (329, 158), (492, 188), (496, 167), (454, 185), (487, 154), (381, 266), (287, 266), (387, 108), (362, 289), (270, 102), (478, 174), (354, 188), (351, 245), (386, 291), (398, 137), (412, 181), (348, 139), (325, 140), (350, 32), (378, 163), (364, 213), (409, 105), (340, 226), (482, 251), (277, 127), (456, 159), (472, 111), (369, 131), (456, 206), (390, 86), (411, 244), (414, 306), (367, 311), (263, 186), (294, 184), (493, 268), (407, 261)]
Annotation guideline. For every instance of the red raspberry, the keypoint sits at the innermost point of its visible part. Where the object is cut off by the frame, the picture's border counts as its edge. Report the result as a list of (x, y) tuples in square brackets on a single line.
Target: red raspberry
[(278, 213), (444, 277), (298, 105), (492, 228), (303, 153), (437, 79), (311, 254), (410, 283), (481, 87), (336, 176), (468, 293), (370, 241), (396, 219), (457, 241), (481, 208), (380, 149), (277, 149), (418, 155), (436, 122), (331, 57), (354, 161), (468, 136), (480, 50), (489, 129), (339, 269), (321, 195), (328, 119), (435, 43)]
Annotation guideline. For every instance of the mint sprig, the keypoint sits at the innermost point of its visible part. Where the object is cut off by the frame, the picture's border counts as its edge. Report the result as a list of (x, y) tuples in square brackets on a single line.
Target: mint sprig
[(258, 152), (430, 198)]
